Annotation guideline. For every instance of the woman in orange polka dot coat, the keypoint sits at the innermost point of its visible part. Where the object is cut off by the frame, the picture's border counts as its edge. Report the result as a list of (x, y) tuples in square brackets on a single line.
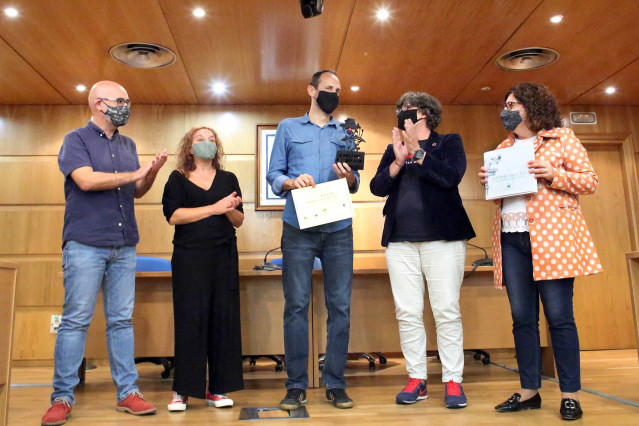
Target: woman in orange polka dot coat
[(541, 243)]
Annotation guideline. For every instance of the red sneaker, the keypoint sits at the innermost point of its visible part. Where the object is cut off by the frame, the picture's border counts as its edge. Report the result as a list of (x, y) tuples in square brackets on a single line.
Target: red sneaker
[(58, 414), (136, 405), (218, 400)]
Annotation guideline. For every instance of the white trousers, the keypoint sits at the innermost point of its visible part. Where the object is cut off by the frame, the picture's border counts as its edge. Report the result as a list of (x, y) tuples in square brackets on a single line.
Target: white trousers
[(442, 263)]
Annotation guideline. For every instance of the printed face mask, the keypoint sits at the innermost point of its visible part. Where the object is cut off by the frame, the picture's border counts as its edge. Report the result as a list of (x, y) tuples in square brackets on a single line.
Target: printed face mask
[(405, 115), (119, 116), (510, 119), (205, 150), (327, 101)]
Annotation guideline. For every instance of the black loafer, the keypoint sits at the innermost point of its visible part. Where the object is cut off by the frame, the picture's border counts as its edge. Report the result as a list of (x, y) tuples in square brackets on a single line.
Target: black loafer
[(514, 403), (570, 409)]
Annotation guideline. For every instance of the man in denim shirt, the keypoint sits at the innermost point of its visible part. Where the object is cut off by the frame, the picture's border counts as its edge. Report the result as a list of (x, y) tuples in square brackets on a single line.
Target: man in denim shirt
[(303, 155), (102, 178)]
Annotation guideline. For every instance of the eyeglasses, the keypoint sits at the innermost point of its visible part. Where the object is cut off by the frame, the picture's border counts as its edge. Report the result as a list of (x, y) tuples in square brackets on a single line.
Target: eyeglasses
[(119, 101), (510, 105), (404, 107)]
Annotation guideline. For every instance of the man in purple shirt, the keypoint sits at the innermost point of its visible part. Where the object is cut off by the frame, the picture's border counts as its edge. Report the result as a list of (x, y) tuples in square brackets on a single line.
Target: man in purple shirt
[(102, 178)]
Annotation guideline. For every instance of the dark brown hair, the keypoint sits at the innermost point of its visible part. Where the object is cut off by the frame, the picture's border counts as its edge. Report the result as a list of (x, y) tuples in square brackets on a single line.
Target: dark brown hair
[(185, 162), (427, 104), (540, 105)]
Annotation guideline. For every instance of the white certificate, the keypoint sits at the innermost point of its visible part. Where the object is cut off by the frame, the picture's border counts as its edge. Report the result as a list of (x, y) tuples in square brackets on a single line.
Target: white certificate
[(327, 202), (508, 173)]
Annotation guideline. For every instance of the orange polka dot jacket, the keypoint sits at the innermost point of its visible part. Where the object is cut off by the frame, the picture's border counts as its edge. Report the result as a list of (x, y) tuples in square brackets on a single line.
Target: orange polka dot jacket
[(561, 243)]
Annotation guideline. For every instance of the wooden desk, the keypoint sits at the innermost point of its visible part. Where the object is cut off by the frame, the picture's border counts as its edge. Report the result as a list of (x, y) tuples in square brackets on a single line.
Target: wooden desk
[(485, 312), (8, 272), (632, 259)]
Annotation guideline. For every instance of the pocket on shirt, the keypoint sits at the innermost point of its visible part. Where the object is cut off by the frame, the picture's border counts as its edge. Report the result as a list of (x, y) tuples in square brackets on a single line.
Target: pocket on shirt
[(300, 148), (339, 144)]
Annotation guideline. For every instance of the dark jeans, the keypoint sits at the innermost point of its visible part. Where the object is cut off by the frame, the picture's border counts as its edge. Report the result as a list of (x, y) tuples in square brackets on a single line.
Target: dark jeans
[(556, 297), (335, 250)]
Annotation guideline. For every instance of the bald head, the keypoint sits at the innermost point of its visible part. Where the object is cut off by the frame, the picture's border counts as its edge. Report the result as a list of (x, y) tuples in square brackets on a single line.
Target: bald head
[(105, 89)]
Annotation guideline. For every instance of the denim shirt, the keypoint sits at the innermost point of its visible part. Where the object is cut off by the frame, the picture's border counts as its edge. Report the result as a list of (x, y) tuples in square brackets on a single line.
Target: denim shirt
[(302, 146), (98, 218)]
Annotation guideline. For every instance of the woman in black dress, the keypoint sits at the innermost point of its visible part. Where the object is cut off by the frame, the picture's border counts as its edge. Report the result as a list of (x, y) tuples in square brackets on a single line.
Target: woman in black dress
[(205, 205)]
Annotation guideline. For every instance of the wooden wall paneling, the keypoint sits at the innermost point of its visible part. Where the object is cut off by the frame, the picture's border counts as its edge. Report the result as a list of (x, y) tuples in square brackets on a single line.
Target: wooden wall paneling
[(7, 308), (31, 180), (32, 337), (155, 127), (237, 125), (31, 229), (38, 130), (469, 187), (32, 214), (39, 281), (598, 295)]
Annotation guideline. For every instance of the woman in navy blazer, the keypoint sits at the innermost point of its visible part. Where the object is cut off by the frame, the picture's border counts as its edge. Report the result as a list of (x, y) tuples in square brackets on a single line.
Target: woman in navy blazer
[(424, 234)]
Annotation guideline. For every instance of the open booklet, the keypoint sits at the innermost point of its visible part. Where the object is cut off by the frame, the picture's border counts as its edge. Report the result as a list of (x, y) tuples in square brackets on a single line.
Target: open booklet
[(508, 173)]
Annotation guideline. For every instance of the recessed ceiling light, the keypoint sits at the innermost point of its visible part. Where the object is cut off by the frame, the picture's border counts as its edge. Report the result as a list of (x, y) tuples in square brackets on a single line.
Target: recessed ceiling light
[(355, 88), (218, 88), (485, 89), (199, 12), (382, 14), (556, 19), (610, 90), (80, 87), (11, 12)]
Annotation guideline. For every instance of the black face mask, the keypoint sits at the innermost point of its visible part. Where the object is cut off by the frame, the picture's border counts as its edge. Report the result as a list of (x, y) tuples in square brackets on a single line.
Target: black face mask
[(510, 119), (327, 101), (405, 115), (119, 116)]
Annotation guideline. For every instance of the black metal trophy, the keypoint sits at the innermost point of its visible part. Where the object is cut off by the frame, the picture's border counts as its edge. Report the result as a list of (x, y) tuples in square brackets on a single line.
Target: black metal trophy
[(353, 157)]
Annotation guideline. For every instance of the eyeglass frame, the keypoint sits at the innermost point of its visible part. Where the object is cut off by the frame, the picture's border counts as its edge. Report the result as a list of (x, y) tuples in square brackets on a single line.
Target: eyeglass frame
[(118, 101), (406, 107), (510, 105)]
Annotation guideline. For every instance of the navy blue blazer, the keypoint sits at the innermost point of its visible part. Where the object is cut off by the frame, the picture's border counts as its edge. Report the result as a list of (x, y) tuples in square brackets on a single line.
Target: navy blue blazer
[(440, 173)]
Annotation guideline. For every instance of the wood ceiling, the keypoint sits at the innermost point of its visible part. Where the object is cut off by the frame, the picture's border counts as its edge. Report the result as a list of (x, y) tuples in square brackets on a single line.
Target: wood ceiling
[(265, 51)]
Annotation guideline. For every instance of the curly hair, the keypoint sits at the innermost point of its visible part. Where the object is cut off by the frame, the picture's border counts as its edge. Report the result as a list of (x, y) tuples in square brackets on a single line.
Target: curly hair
[(185, 162), (540, 105), (426, 103)]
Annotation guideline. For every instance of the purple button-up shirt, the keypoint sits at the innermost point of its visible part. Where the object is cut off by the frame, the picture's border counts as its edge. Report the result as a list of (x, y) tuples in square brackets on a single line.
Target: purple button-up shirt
[(98, 218)]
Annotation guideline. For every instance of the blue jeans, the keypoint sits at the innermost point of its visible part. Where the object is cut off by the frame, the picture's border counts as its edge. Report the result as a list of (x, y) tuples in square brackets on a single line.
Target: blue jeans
[(335, 250), (86, 268), (556, 297)]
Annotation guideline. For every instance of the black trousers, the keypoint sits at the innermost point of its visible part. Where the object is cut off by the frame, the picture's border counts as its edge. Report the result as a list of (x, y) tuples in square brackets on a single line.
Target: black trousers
[(206, 308)]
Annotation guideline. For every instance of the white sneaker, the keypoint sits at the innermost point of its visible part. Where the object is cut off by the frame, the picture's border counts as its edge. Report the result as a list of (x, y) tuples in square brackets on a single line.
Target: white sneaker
[(178, 403), (218, 401)]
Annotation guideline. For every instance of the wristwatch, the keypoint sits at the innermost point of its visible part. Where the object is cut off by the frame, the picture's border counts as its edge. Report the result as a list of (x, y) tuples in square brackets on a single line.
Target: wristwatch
[(419, 154)]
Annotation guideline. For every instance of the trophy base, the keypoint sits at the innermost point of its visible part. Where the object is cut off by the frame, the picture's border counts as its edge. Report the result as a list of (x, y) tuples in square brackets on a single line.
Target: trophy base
[(354, 159)]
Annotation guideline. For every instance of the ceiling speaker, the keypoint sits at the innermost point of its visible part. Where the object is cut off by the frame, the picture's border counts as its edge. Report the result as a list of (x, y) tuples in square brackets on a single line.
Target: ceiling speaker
[(143, 55), (527, 59)]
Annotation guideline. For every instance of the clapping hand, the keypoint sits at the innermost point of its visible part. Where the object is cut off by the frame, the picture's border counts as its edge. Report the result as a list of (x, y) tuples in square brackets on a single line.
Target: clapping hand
[(227, 204)]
